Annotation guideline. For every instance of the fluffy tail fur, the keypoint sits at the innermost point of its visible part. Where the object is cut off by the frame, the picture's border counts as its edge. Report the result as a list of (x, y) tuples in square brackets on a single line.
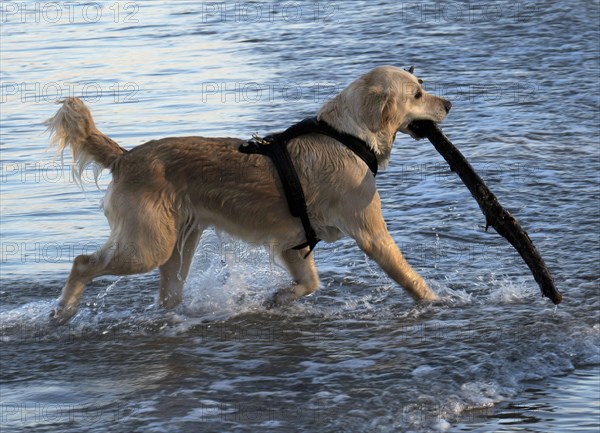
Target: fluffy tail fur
[(73, 126)]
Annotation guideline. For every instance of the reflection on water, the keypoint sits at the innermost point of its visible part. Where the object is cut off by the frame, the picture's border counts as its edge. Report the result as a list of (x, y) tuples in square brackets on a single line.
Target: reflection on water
[(559, 404)]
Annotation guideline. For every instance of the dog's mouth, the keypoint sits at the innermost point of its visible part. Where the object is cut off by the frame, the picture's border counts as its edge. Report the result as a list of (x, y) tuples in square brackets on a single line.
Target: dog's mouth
[(418, 128)]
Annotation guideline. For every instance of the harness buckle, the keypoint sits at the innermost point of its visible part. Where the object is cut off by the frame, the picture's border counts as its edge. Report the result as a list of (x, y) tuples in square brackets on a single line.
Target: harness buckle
[(260, 140)]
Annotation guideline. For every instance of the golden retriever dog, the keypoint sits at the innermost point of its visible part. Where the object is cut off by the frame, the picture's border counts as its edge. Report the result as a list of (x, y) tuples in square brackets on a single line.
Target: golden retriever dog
[(165, 192)]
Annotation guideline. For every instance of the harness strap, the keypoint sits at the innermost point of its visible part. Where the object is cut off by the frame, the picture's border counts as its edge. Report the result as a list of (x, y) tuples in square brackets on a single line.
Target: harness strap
[(313, 125), (277, 151), (275, 147)]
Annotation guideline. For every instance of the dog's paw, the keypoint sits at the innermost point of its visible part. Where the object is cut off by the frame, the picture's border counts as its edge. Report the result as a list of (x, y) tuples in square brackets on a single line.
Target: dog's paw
[(269, 303), (61, 314), (429, 297), (279, 299)]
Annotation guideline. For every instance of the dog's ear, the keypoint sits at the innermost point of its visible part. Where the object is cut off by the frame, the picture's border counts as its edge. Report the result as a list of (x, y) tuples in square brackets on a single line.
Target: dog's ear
[(389, 111), (378, 109)]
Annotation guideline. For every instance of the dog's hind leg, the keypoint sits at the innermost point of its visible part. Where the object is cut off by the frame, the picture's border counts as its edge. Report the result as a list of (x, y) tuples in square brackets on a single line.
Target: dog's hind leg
[(304, 273), (111, 259), (134, 248), (174, 272)]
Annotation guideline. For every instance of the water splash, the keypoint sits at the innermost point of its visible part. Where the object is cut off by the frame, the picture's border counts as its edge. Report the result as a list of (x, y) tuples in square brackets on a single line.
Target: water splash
[(101, 296)]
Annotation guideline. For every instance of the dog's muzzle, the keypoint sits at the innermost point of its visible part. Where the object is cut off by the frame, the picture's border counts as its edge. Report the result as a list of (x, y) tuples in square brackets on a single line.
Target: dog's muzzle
[(417, 128)]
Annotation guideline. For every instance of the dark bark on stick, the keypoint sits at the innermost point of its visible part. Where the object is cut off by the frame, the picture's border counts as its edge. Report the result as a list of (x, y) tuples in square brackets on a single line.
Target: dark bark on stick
[(496, 216)]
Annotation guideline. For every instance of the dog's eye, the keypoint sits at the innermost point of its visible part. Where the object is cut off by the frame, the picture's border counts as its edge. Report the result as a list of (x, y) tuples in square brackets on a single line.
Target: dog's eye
[(418, 95)]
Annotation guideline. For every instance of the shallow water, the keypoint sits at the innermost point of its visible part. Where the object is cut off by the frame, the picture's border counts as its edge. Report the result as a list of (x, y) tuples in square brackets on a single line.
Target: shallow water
[(358, 355)]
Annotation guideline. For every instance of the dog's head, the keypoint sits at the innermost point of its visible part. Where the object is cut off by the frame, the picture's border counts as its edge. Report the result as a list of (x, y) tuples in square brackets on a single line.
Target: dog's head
[(379, 104)]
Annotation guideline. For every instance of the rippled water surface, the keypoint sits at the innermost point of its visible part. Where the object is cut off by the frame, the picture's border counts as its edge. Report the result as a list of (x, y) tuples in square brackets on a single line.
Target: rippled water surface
[(358, 355)]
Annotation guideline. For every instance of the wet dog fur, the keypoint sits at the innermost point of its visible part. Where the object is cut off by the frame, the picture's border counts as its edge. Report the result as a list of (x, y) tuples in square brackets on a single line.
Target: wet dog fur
[(165, 192)]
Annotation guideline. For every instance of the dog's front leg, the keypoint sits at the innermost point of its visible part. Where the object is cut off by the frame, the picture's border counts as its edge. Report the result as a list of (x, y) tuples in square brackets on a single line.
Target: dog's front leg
[(370, 232), (381, 247)]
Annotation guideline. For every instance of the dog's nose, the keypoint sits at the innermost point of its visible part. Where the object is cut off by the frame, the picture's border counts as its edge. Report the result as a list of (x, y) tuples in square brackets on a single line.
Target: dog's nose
[(447, 106)]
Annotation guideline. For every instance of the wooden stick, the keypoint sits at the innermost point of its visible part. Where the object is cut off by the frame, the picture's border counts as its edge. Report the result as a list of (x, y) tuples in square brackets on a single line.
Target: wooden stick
[(496, 216)]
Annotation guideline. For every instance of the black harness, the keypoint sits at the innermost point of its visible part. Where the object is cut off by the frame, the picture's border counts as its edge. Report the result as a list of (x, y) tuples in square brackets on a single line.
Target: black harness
[(275, 147)]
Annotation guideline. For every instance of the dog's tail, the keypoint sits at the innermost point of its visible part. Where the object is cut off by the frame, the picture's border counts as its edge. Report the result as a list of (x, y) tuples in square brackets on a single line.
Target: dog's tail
[(73, 126)]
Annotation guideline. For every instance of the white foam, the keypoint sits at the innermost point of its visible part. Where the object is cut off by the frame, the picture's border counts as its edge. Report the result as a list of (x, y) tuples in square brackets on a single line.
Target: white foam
[(506, 290), (226, 279), (423, 370), (355, 363), (442, 425), (481, 394)]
